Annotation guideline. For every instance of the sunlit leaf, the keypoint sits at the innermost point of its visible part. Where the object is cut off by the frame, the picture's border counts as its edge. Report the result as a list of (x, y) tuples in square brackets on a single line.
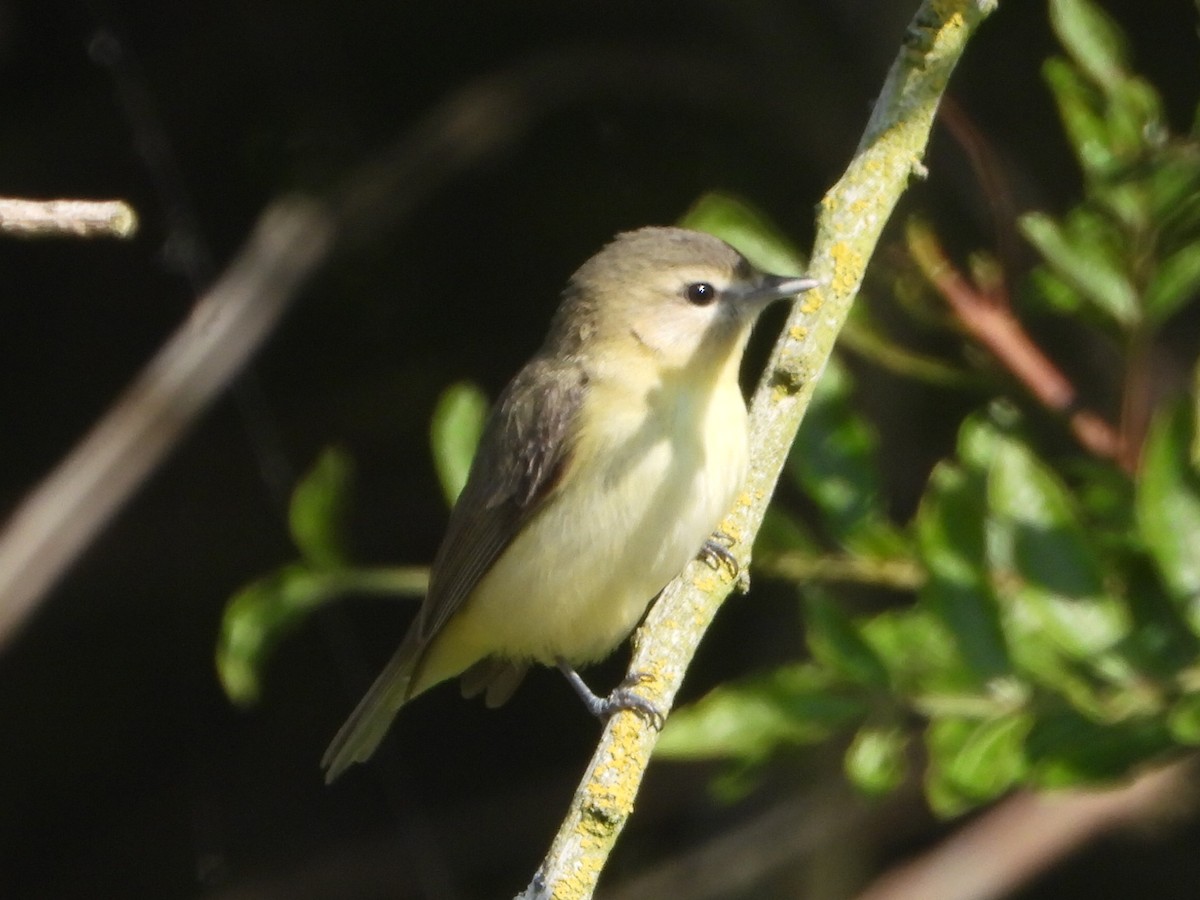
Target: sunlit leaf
[(1183, 720), (876, 760), (951, 542), (1176, 282), (1094, 41), (1168, 505), (751, 719), (919, 652), (972, 761), (455, 430), (1056, 586), (1079, 106), (317, 511), (257, 618), (264, 612), (1084, 262)]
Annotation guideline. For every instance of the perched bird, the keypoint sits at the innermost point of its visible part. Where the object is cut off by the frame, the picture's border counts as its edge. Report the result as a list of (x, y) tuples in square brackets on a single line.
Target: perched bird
[(604, 467)]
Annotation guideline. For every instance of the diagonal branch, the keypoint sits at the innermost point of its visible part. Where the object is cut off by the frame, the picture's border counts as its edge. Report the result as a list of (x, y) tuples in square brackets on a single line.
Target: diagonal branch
[(852, 216)]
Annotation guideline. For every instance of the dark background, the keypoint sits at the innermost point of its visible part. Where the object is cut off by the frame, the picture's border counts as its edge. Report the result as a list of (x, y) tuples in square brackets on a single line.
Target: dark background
[(124, 771)]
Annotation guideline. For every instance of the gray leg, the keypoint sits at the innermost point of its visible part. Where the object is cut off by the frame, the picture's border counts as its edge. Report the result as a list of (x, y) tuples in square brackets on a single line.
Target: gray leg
[(620, 699)]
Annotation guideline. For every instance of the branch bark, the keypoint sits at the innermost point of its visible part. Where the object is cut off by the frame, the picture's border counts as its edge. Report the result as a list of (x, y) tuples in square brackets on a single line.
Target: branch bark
[(852, 217), (67, 218), (62, 515)]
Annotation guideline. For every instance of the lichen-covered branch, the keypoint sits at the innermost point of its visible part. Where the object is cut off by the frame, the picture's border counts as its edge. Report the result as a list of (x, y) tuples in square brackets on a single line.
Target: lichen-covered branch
[(852, 216), (67, 218)]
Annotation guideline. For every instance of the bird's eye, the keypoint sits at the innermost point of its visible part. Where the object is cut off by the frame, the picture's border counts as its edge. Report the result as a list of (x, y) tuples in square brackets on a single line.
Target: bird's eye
[(701, 293)]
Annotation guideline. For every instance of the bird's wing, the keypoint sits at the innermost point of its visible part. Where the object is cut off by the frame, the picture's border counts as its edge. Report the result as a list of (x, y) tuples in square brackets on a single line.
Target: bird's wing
[(523, 454), (522, 457)]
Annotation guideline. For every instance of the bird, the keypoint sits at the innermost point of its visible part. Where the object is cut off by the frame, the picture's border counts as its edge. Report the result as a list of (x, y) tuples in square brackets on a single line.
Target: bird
[(604, 467)]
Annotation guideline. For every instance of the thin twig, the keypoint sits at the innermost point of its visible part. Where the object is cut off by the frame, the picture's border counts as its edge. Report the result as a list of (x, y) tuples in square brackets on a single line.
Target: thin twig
[(987, 316), (62, 515), (67, 218), (852, 217), (800, 567)]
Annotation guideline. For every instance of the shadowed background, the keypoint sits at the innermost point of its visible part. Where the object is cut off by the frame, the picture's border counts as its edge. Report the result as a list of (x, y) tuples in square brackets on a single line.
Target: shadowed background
[(124, 771)]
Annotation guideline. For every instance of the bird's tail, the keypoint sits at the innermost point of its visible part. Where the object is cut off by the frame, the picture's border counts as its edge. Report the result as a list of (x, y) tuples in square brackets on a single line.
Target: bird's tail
[(362, 733)]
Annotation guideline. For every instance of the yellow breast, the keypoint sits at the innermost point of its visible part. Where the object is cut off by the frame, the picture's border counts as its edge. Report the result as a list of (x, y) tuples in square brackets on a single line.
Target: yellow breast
[(651, 478)]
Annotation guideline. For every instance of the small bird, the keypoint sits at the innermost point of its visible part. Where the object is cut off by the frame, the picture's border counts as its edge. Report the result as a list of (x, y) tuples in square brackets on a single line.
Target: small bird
[(604, 467)]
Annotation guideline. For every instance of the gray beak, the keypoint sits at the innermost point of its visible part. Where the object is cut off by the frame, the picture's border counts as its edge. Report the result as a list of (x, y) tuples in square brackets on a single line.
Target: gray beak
[(770, 288), (781, 286)]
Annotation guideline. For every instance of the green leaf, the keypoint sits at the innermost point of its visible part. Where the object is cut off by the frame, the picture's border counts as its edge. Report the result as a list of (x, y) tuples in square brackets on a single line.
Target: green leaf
[(1105, 494), (1050, 576), (1175, 283), (457, 425), (1052, 293), (876, 761), (918, 651), (263, 612), (256, 619), (1135, 119), (1084, 259), (1173, 191), (1066, 749), (747, 229), (982, 434), (971, 762), (754, 718), (317, 511), (951, 543), (1184, 720), (1094, 41), (833, 461), (1079, 107), (1168, 505), (836, 642)]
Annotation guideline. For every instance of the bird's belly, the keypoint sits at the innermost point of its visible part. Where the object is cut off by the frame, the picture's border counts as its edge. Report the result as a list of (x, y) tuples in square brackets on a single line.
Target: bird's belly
[(580, 575)]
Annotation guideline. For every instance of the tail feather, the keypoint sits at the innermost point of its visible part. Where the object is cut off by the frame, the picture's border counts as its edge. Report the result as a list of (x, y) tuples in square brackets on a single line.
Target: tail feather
[(362, 733)]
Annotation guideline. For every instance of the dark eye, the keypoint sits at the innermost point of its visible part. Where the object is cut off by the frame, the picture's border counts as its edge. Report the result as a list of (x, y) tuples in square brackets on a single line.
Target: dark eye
[(700, 293)]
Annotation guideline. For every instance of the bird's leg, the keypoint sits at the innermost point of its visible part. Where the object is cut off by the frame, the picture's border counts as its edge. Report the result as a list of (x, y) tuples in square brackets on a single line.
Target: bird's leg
[(622, 698), (717, 555)]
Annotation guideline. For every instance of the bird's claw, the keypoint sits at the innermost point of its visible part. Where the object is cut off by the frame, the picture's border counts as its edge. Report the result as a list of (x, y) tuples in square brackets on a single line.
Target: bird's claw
[(717, 555)]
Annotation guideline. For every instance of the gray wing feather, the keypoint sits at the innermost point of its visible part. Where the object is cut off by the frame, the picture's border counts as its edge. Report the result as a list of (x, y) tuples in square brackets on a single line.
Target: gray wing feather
[(522, 456)]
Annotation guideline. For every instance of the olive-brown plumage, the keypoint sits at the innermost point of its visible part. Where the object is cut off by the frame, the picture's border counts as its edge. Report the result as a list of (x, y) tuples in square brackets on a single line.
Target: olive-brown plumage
[(605, 465)]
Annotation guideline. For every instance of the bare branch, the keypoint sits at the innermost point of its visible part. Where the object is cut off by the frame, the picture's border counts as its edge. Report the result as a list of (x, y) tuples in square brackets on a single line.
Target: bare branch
[(64, 513), (852, 217), (67, 218), (1023, 836)]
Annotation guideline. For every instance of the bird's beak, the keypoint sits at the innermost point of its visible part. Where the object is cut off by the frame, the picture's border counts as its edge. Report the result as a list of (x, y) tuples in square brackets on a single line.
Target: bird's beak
[(776, 287), (770, 288)]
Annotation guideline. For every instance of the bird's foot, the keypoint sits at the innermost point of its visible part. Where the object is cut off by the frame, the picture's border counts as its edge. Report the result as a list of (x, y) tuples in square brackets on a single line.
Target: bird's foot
[(717, 555), (622, 698)]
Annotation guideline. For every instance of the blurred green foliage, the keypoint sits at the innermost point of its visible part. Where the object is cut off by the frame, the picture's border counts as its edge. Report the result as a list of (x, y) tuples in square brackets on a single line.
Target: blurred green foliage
[(1053, 634)]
